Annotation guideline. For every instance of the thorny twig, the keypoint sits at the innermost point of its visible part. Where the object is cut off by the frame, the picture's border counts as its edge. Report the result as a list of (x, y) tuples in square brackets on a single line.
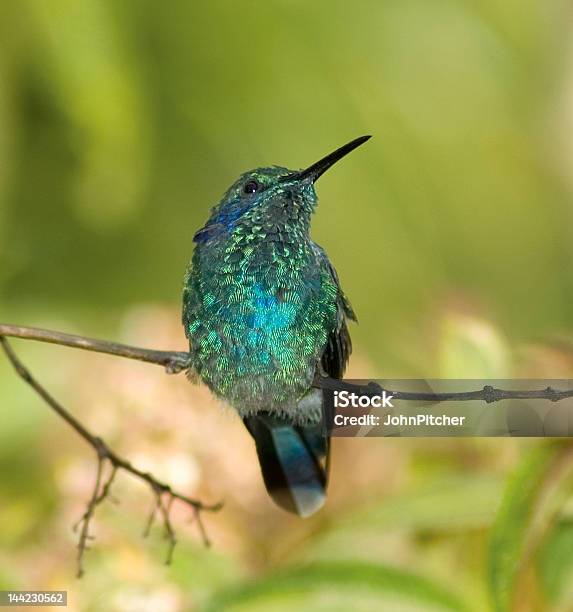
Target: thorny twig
[(105, 454)]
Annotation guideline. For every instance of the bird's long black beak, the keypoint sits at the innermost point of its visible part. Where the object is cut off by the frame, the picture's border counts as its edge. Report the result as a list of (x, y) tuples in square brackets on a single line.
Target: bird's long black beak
[(317, 169)]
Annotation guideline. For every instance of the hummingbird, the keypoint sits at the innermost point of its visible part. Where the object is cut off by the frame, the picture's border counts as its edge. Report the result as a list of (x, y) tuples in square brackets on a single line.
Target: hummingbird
[(265, 314)]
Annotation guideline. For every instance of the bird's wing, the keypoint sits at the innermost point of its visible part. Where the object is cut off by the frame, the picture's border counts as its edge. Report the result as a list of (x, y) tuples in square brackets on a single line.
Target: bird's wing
[(339, 346), (188, 297)]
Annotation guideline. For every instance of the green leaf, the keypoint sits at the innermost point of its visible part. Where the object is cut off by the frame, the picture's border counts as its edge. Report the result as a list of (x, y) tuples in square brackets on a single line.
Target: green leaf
[(335, 585), (556, 565), (529, 504)]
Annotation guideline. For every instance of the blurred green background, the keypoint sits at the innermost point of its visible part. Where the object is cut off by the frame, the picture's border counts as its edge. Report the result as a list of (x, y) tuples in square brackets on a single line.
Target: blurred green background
[(122, 123)]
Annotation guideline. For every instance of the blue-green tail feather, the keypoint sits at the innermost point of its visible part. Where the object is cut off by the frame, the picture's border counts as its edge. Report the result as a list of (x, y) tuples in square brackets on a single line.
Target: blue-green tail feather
[(294, 462)]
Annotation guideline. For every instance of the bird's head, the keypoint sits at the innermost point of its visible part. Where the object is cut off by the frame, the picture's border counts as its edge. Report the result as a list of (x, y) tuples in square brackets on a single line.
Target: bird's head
[(271, 195)]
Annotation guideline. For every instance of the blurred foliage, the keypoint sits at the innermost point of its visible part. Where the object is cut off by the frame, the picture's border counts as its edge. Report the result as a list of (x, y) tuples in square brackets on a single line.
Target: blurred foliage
[(121, 123), (533, 497), (382, 585)]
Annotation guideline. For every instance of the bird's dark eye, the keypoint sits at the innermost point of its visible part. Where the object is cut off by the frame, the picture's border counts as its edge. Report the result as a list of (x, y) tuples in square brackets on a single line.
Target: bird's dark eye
[(251, 187)]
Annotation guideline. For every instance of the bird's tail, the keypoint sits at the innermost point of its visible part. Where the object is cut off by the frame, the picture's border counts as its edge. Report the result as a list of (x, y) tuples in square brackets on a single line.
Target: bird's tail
[(294, 462)]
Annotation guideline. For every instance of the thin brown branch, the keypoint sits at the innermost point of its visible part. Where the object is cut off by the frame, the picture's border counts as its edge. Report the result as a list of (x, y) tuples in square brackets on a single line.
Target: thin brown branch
[(151, 518), (173, 361), (97, 498), (165, 510), (199, 520), (106, 454)]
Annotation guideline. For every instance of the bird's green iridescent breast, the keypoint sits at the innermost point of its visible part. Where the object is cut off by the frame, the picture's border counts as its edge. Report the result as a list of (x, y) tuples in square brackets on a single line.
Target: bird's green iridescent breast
[(259, 307)]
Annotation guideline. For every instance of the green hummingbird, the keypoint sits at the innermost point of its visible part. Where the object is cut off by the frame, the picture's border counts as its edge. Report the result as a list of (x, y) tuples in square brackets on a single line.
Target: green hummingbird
[(265, 314)]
